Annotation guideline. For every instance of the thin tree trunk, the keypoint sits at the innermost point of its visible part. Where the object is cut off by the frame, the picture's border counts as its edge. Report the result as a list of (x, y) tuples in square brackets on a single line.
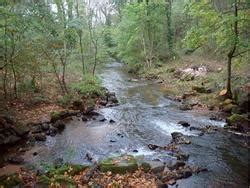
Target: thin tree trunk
[(82, 56), (58, 77), (95, 59), (15, 79), (232, 51), (6, 60), (229, 74), (169, 26), (4, 82)]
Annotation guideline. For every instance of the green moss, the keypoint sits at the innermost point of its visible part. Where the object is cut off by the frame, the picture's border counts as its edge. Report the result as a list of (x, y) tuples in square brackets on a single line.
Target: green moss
[(120, 165), (235, 118), (55, 116), (57, 175), (71, 169)]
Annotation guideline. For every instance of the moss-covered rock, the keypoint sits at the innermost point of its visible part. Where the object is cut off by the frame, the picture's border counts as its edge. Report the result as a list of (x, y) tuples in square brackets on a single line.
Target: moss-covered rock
[(120, 165), (71, 169), (229, 108), (54, 116), (239, 122)]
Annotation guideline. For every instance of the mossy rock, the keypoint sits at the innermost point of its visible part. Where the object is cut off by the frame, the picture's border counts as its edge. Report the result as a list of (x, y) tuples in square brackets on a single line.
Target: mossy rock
[(54, 116), (227, 101), (119, 165), (229, 108), (235, 118), (71, 169), (240, 122), (10, 180)]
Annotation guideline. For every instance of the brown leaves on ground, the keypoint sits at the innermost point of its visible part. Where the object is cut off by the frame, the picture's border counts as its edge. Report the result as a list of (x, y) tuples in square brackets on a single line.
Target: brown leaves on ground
[(36, 113), (109, 180)]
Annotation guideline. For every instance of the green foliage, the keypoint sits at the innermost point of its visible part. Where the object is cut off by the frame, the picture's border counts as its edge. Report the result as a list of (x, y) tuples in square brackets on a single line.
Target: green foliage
[(89, 86), (65, 100), (211, 24), (139, 34)]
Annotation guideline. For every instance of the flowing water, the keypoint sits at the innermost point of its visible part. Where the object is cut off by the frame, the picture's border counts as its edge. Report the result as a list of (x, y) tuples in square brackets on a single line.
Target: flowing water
[(145, 116)]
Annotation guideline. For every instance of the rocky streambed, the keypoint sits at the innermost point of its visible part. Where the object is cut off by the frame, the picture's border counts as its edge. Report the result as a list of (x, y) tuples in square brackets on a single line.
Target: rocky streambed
[(149, 129)]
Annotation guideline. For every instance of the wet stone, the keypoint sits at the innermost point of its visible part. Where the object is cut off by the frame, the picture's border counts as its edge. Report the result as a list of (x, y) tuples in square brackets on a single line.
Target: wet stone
[(60, 125), (15, 160), (45, 126), (184, 123), (152, 146), (40, 137)]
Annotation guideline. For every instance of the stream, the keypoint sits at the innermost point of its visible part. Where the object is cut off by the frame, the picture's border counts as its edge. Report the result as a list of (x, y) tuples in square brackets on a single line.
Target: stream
[(145, 116)]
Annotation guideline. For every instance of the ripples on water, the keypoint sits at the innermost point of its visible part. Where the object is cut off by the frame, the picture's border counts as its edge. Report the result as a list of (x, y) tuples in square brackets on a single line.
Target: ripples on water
[(146, 116)]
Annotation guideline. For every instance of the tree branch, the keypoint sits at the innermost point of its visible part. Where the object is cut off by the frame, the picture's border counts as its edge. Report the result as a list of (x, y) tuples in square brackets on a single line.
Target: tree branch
[(240, 53)]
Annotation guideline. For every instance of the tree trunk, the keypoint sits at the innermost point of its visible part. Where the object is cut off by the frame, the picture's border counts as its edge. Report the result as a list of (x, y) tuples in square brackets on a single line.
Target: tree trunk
[(95, 59), (15, 79), (232, 51), (58, 77), (4, 82), (169, 27), (229, 74), (82, 56)]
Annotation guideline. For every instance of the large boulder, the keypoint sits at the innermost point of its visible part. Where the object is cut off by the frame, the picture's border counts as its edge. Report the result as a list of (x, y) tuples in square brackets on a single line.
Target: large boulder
[(20, 129), (239, 123), (120, 164)]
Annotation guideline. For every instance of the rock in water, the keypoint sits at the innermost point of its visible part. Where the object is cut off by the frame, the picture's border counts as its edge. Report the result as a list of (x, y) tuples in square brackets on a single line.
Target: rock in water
[(120, 165), (40, 137), (59, 125), (179, 138), (152, 146), (184, 123)]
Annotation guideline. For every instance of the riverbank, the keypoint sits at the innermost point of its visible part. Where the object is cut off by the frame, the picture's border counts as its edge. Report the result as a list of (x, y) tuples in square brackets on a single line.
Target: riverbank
[(147, 126), (199, 85)]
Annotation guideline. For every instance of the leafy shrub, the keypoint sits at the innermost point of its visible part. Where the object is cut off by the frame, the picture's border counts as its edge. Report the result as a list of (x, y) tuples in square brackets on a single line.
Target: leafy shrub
[(89, 86), (65, 100)]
